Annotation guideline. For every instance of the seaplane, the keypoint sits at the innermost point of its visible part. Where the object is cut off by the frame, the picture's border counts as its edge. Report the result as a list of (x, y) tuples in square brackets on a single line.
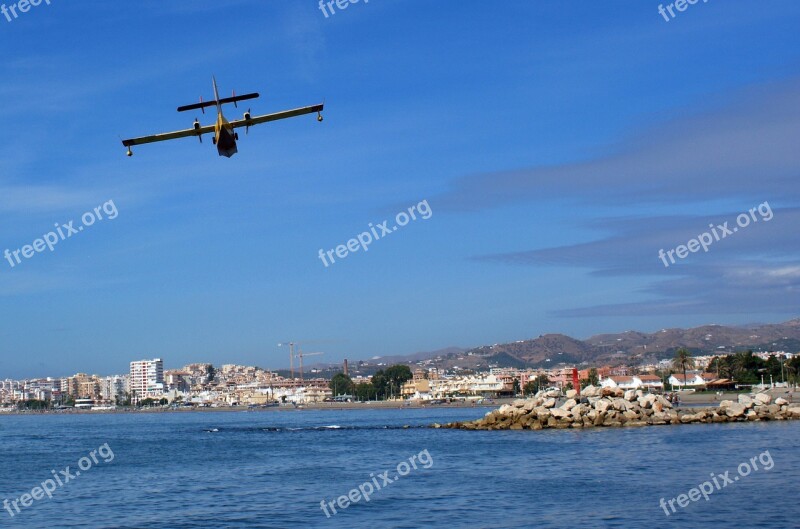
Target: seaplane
[(225, 135)]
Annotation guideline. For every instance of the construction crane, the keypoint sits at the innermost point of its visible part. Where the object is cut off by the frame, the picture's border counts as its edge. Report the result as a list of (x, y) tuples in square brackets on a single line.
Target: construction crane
[(300, 355), (291, 354), (295, 345)]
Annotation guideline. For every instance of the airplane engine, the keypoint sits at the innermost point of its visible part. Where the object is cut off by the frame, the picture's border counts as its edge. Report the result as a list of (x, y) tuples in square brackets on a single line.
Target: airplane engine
[(247, 116)]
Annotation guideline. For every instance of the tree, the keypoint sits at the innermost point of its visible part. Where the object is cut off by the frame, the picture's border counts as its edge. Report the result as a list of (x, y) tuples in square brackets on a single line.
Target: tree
[(529, 388), (365, 391), (594, 378), (33, 404), (683, 360), (390, 381), (515, 386), (793, 369), (747, 367), (211, 373), (773, 366), (341, 384), (542, 382), (722, 366)]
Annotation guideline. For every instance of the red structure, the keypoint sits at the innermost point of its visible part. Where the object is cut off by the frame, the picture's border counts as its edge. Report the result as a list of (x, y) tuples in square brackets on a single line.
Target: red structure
[(575, 382)]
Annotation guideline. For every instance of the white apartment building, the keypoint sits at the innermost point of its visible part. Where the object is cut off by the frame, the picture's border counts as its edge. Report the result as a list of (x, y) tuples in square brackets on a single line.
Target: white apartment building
[(113, 386), (147, 379)]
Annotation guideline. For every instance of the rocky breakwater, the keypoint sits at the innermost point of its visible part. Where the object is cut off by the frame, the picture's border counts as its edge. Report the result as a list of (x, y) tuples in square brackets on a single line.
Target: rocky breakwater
[(610, 407)]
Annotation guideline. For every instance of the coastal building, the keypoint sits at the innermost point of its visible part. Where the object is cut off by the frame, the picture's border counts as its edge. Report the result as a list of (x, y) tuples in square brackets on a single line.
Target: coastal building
[(472, 385), (177, 380), (81, 385), (113, 388), (417, 389), (651, 382), (146, 379), (617, 381), (692, 380)]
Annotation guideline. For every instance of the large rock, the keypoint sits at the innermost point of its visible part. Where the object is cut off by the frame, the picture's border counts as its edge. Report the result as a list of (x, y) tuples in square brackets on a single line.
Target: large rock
[(571, 403), (620, 404), (630, 395), (571, 394), (549, 403), (631, 415), (735, 410), (559, 413), (516, 412), (647, 401), (793, 411), (770, 410), (664, 402), (602, 405), (579, 410), (763, 398), (590, 391), (746, 401), (553, 393), (780, 401)]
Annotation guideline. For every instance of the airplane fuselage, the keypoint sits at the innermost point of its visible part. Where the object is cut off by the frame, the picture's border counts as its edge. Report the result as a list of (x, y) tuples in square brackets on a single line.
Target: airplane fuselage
[(225, 137)]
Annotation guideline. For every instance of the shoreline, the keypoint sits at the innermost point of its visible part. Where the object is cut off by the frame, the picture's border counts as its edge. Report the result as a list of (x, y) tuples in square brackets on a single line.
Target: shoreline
[(333, 406), (687, 400)]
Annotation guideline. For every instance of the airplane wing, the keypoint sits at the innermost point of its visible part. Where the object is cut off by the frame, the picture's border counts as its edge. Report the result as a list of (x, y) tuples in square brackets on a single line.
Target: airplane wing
[(255, 120), (169, 136)]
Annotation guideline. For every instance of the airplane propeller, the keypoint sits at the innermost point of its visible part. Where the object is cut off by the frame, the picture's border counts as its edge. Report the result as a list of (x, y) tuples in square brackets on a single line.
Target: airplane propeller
[(197, 127)]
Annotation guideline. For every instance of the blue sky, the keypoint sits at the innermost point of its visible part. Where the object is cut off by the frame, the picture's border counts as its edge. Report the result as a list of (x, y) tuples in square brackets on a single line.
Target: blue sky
[(559, 147)]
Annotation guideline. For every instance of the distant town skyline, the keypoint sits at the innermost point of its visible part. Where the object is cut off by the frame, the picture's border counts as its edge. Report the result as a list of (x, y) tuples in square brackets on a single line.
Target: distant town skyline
[(410, 357)]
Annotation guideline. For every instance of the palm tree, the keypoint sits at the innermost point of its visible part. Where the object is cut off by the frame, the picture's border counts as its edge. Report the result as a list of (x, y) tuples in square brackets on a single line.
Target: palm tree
[(740, 365), (683, 359)]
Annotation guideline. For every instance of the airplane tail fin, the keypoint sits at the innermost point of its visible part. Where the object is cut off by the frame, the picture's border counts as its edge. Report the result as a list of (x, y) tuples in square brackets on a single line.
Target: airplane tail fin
[(217, 101)]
